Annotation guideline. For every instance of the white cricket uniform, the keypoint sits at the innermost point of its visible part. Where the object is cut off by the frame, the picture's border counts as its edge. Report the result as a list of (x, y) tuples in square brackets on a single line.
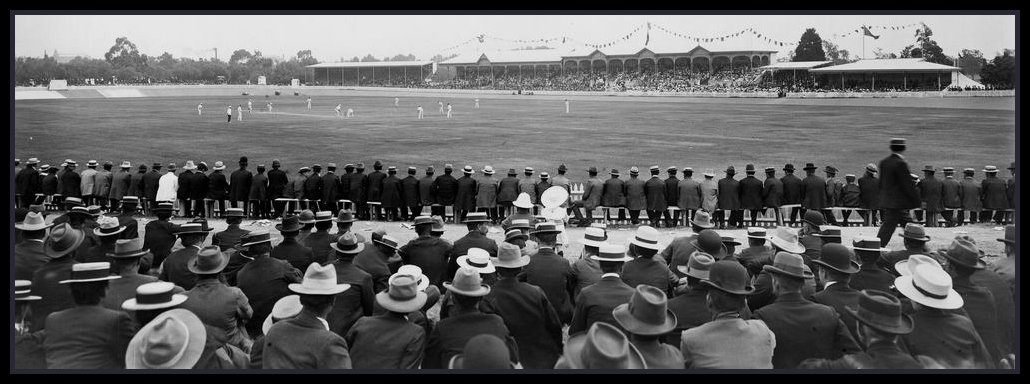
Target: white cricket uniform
[(448, 111), (239, 113), (309, 103), (250, 107), (269, 107), (441, 107), (420, 113), (337, 109), (350, 112), (200, 108), (477, 103), (566, 106), (396, 101)]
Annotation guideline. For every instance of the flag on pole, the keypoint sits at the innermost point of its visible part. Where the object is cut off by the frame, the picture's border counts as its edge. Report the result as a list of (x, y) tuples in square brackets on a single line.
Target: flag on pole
[(648, 39), (865, 31)]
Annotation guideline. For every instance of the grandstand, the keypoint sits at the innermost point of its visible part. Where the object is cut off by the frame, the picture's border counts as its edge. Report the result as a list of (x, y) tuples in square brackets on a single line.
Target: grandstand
[(886, 74), (374, 73)]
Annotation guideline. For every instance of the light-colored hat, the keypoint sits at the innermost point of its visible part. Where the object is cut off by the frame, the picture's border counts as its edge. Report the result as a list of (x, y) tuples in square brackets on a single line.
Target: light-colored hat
[(868, 244), (521, 223), (786, 239), (611, 252), (756, 233), (787, 264), (173, 340), (218, 166), (905, 267), (126, 164), (323, 216), (523, 201), (156, 295), (63, 239), (488, 170), (209, 260), (603, 346), (698, 265), (477, 217), (990, 169), (255, 237), (128, 248), (416, 273), (319, 280), (646, 237), (594, 237), (34, 221), (709, 173), (92, 163), (467, 282), (89, 272), (286, 307), (646, 313), (402, 296), (702, 219), (22, 290), (468, 170), (509, 256), (478, 259), (189, 165), (930, 286), (107, 226)]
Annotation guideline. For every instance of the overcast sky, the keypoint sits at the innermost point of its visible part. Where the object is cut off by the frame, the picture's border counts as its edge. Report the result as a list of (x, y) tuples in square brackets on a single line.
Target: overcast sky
[(340, 36)]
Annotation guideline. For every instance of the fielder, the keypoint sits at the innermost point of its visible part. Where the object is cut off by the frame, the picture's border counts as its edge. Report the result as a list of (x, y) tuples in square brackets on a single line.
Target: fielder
[(420, 112), (239, 112), (566, 105), (448, 110), (350, 112), (228, 114), (477, 103), (396, 102), (337, 109), (200, 109), (441, 106), (309, 103), (269, 106), (250, 106)]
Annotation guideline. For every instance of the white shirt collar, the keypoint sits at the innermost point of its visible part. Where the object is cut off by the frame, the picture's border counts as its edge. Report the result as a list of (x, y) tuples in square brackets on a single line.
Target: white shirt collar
[(609, 274), (828, 284), (325, 323)]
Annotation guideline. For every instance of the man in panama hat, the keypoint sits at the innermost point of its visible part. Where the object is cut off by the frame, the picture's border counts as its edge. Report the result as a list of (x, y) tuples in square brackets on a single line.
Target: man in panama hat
[(358, 300), (305, 342), (390, 341)]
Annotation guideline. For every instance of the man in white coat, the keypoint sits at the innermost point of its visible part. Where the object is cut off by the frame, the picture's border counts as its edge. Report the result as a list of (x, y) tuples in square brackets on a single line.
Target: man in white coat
[(168, 185)]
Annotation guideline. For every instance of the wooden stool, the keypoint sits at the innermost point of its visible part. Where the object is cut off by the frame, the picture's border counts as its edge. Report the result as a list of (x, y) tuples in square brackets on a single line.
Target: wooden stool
[(374, 210), (290, 203), (345, 204)]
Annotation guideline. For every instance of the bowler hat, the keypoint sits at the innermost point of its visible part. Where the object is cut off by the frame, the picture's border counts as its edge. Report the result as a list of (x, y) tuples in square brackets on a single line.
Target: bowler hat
[(90, 272), (175, 339), (787, 264), (155, 295), (402, 295), (646, 313), (810, 166), (729, 276), (815, 218), (603, 346), (964, 253), (881, 311), (838, 258), (319, 280), (698, 266), (209, 260), (915, 232), (750, 168), (128, 248), (348, 244), (788, 167), (708, 241), (285, 308), (62, 240), (467, 282)]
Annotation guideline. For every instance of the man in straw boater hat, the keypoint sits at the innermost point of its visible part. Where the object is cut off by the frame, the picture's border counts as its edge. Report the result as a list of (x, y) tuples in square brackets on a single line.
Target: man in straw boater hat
[(27, 183), (125, 261), (285, 308), (159, 235), (551, 272), (679, 249), (645, 268), (897, 190), (390, 341), (940, 333), (880, 324), (264, 280), (429, 253), (175, 269), (426, 193), (483, 352), (218, 186), (804, 329), (995, 196), (290, 250), (526, 311), (126, 216), (596, 302), (646, 318), (835, 269), (476, 222), (374, 186), (523, 206), (672, 196), (230, 237), (728, 341), (305, 341), (150, 183), (28, 351), (318, 241), (359, 299), (88, 181), (952, 197), (108, 231), (378, 260), (634, 190), (29, 255), (541, 186), (915, 239), (69, 181), (87, 336), (963, 259), (223, 307), (61, 246), (870, 274), (603, 346), (587, 271), (451, 334), (689, 305), (590, 200)]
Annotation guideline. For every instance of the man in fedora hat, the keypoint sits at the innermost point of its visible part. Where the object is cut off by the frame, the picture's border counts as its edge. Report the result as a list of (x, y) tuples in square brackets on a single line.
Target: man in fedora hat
[(603, 346), (689, 305), (318, 241), (313, 188), (590, 200), (897, 190), (804, 329), (390, 341), (290, 249), (476, 222), (49, 182), (836, 265), (729, 201), (679, 249), (645, 268), (239, 186), (869, 194), (28, 183), (465, 200), (126, 216), (915, 240), (672, 197), (429, 253), (87, 336), (483, 352), (963, 260), (654, 191), (613, 194), (185, 188), (792, 191), (850, 197), (330, 188), (444, 190), (378, 260), (159, 234), (549, 271), (175, 339), (486, 194), (305, 341), (994, 196), (870, 274), (1006, 267), (527, 185), (230, 237), (277, 183), (450, 335), (527, 313), (970, 192), (596, 302), (772, 194), (728, 341), (374, 185), (126, 259), (61, 247), (834, 190), (507, 191), (880, 323), (646, 318), (587, 271), (999, 279), (107, 232), (634, 191), (940, 333), (391, 198), (175, 269), (809, 237), (356, 301), (411, 203), (264, 280), (417, 317), (151, 182), (135, 186), (30, 254), (259, 194), (751, 193), (215, 303), (758, 253), (285, 308), (426, 193), (951, 191), (813, 191), (931, 191), (344, 222), (689, 193), (87, 180)]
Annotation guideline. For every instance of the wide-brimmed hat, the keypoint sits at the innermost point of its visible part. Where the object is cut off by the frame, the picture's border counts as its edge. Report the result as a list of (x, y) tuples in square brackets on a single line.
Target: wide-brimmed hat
[(729, 239), (126, 164), (594, 237), (348, 244), (411, 170), (402, 295), (386, 240), (22, 290), (521, 224), (156, 295), (477, 217), (218, 166), (603, 346), (468, 170), (729, 276), (478, 259), (906, 266), (62, 240), (306, 217), (838, 258), (787, 264), (881, 311), (828, 231), (646, 313), (287, 307), (323, 216), (815, 218), (437, 225), (175, 339), (756, 233), (290, 224), (345, 216), (209, 260), (511, 172), (255, 237), (488, 170), (830, 169), (467, 282), (867, 244), (482, 351), (423, 220), (416, 273), (90, 272), (528, 170), (702, 219), (730, 170), (788, 167), (319, 280), (1010, 235), (698, 265), (929, 168), (708, 241), (194, 227), (614, 172), (915, 232), (929, 285), (92, 163), (542, 228), (33, 221), (93, 210), (189, 165), (990, 169), (523, 201), (611, 252), (515, 234), (810, 166), (646, 237), (964, 253), (108, 226), (128, 248), (509, 256)]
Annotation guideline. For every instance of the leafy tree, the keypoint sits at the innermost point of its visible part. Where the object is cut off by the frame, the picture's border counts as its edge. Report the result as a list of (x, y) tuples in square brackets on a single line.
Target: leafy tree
[(408, 57), (926, 48), (125, 54), (1001, 71), (305, 58), (241, 56), (355, 59), (972, 62), (810, 47), (835, 54), (368, 58)]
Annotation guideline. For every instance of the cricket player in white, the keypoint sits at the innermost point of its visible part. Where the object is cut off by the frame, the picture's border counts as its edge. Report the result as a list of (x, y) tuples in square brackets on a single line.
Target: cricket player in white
[(228, 114), (420, 112), (337, 109), (250, 106), (200, 109), (441, 106), (566, 105), (477, 103), (350, 112), (269, 106), (239, 113), (309, 103), (396, 102), (448, 110)]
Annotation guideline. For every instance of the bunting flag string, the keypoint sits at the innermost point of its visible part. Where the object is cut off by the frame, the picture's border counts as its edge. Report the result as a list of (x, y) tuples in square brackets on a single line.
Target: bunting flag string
[(858, 31), (699, 40)]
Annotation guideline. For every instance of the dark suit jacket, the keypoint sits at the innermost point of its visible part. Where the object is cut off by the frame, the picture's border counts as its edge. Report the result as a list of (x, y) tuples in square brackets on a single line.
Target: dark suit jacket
[(729, 193), (870, 276), (229, 237), (596, 303), (264, 281), (49, 186), (813, 196), (445, 188), (239, 184), (258, 187), (330, 187), (645, 270), (531, 319), (553, 274), (451, 334), (159, 236), (318, 241), (185, 185), (949, 338), (507, 189), (71, 185), (375, 185), (466, 194), (931, 190), (198, 186), (473, 239), (304, 343), (175, 271), (27, 182), (124, 288), (425, 190), (345, 180), (678, 253), (897, 190), (236, 262), (357, 187), (391, 192), (28, 257), (55, 296), (372, 260), (751, 193), (87, 337), (634, 190), (387, 341), (979, 305), (672, 190), (409, 192), (293, 252), (995, 193), (217, 186), (131, 226), (869, 192), (353, 303), (772, 192), (277, 181), (838, 296), (805, 329), (691, 309), (689, 194), (613, 194), (881, 355), (150, 184), (432, 255), (1004, 303), (654, 191), (792, 187), (952, 193)]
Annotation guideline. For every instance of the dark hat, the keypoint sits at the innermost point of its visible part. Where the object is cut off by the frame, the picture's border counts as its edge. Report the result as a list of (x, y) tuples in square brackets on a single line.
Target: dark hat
[(290, 224), (430, 169), (157, 165), (316, 167), (164, 206), (929, 168), (730, 240), (386, 240), (543, 228), (787, 264), (671, 170), (511, 172), (377, 165), (90, 272), (603, 346), (881, 311), (615, 172), (209, 260), (830, 169), (948, 169), (646, 313), (345, 216), (243, 159), (750, 168), (730, 170), (729, 276), (412, 170), (562, 167), (788, 167), (708, 241), (915, 232), (348, 166), (1012, 165), (814, 217), (424, 220), (62, 240), (969, 171), (483, 351), (964, 252), (688, 170), (838, 258), (828, 231), (871, 167), (810, 166), (898, 141), (514, 234), (348, 244)]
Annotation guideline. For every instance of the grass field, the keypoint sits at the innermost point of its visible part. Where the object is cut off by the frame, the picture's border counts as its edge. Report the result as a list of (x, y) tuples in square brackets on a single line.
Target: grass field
[(518, 131)]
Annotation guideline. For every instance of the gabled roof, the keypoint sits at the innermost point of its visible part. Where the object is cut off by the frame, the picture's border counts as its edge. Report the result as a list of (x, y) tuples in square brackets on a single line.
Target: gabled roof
[(888, 65), (380, 64), (509, 56), (797, 65)]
